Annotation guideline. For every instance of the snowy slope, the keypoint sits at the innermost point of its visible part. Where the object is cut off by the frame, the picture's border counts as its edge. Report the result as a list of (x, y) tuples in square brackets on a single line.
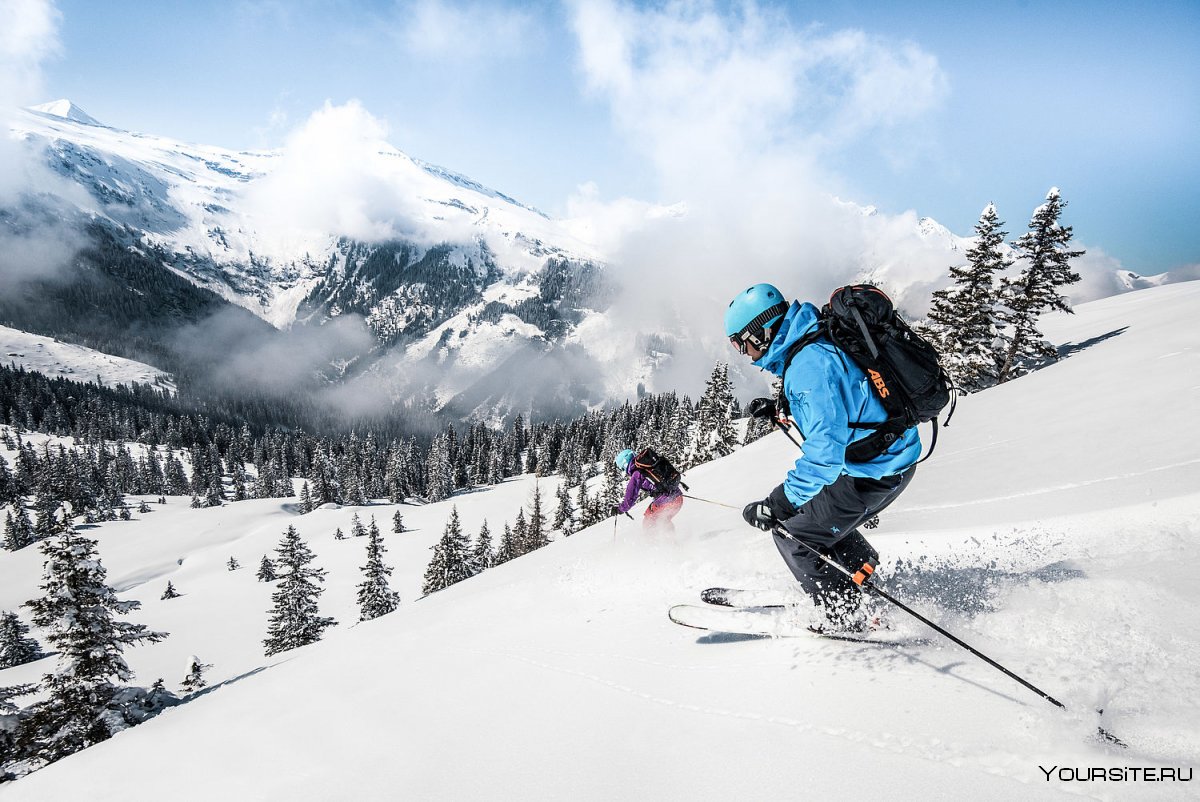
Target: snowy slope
[(1052, 529), (58, 359)]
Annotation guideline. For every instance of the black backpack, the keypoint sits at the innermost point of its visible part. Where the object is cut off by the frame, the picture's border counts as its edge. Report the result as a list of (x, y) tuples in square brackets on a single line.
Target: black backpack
[(902, 366), (659, 470)]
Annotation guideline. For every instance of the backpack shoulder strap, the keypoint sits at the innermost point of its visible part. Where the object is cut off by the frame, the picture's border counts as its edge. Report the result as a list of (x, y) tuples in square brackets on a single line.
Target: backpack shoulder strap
[(801, 344)]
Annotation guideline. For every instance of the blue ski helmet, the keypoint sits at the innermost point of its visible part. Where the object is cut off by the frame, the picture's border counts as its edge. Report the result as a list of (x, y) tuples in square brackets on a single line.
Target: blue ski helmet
[(624, 458), (752, 316)]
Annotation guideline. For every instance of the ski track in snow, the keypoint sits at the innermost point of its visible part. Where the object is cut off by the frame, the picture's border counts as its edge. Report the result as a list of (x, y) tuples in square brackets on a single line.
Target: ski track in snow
[(933, 749), (1056, 489)]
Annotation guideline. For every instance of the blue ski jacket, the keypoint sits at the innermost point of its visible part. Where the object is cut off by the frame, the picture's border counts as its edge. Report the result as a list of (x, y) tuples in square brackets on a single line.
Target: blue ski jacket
[(827, 392)]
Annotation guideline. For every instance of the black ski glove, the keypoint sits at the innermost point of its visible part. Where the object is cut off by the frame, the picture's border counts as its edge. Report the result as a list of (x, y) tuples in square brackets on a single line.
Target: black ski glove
[(614, 509), (757, 513), (762, 408), (771, 511)]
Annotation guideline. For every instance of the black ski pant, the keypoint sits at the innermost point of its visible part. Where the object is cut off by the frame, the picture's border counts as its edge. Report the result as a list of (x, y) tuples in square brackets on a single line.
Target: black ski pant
[(829, 522)]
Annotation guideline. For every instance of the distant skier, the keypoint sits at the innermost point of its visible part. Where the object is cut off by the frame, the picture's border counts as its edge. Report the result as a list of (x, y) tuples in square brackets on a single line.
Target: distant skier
[(824, 497), (651, 473)]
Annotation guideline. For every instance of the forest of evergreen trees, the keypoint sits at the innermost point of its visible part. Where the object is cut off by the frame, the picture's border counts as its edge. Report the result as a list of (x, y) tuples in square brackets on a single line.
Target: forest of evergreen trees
[(145, 441)]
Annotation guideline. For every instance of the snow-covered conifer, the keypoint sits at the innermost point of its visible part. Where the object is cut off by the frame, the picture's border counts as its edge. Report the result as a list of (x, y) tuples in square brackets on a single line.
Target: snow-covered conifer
[(194, 680), (482, 556), (713, 435), (535, 533), (439, 470), (16, 647), (295, 619), (451, 561), (564, 513), (18, 530), (963, 319), (170, 592), (375, 597), (507, 549), (1044, 251), (233, 564), (77, 612), (266, 570)]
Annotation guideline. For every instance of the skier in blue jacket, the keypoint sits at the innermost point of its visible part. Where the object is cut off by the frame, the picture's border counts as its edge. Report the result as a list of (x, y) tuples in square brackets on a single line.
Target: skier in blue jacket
[(824, 498)]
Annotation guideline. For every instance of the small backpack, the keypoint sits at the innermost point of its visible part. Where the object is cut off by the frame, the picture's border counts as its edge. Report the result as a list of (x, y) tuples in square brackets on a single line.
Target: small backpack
[(659, 470), (902, 366)]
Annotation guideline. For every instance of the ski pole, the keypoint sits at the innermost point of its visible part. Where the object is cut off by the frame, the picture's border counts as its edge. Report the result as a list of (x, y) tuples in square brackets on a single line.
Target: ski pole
[(861, 580), (710, 501), (766, 408)]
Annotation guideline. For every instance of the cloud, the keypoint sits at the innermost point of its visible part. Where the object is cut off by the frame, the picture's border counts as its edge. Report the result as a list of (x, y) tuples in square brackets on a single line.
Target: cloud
[(35, 241), (337, 176), (239, 353), (28, 36), (738, 112)]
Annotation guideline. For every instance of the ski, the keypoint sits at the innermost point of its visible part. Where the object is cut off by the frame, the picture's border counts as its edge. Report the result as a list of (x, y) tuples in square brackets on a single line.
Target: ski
[(773, 621), (738, 597)]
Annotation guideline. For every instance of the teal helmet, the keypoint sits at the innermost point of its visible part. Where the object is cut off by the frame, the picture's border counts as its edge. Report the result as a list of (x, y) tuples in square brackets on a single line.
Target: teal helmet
[(753, 316), (623, 459)]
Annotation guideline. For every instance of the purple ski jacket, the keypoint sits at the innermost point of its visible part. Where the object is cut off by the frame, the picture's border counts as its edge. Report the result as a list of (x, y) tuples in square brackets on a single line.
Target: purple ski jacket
[(638, 483)]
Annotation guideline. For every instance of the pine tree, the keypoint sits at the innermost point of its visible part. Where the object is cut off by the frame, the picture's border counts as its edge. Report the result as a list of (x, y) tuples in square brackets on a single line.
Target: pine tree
[(375, 598), (18, 531), (963, 320), (356, 527), (306, 502), (613, 491), (398, 523), (77, 612), (535, 533), (233, 564), (584, 503), (451, 561), (440, 471), (170, 592), (507, 549), (338, 534), (194, 680), (564, 513), (482, 557), (520, 534), (16, 647), (295, 619), (266, 570), (713, 435), (1047, 267)]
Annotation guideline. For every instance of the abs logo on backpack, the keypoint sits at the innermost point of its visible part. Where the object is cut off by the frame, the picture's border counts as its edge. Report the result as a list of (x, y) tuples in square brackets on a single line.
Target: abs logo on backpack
[(879, 383)]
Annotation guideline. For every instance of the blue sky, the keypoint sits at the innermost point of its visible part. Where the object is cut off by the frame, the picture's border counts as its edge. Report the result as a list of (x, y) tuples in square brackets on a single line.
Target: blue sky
[(959, 104)]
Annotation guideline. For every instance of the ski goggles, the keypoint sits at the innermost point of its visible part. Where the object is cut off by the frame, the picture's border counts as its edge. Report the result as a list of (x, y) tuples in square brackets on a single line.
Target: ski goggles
[(744, 338), (755, 332)]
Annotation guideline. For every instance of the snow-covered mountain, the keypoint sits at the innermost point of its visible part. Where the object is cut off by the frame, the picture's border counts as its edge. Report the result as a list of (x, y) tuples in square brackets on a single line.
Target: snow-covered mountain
[(1039, 532), (199, 202), (446, 291), (404, 245)]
